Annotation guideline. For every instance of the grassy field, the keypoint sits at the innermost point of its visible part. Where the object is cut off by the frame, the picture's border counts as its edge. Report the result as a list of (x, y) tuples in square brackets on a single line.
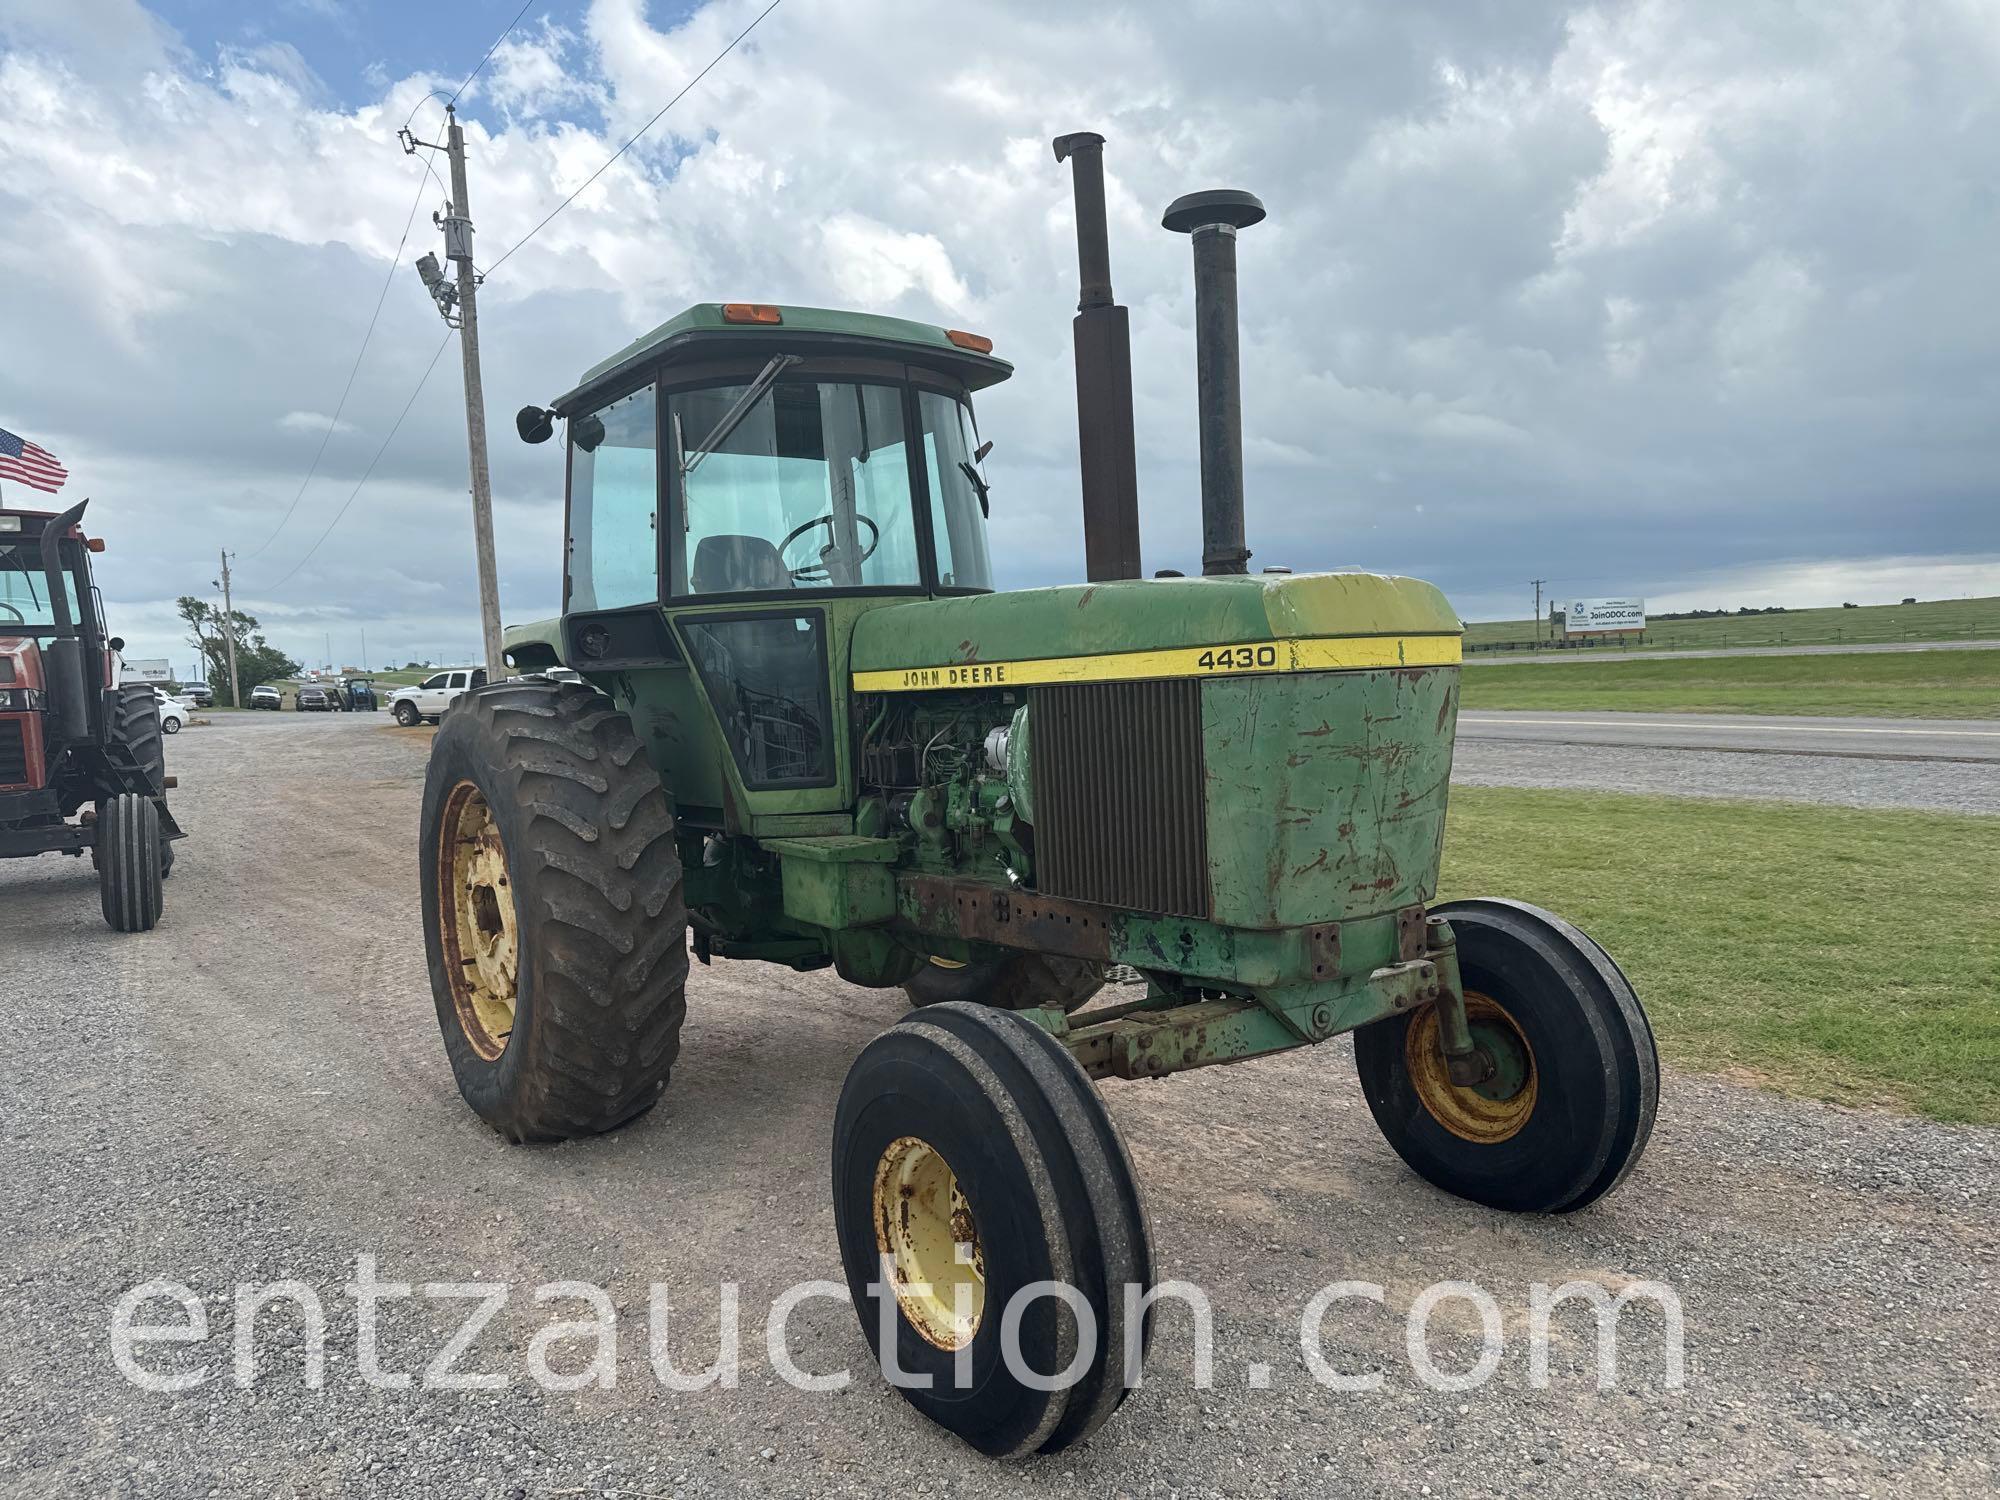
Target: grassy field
[(1939, 620), (1890, 684), (1804, 948)]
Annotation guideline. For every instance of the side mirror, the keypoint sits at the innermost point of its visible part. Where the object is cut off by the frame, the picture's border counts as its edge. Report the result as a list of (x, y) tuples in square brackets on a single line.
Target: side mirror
[(536, 424), (979, 453)]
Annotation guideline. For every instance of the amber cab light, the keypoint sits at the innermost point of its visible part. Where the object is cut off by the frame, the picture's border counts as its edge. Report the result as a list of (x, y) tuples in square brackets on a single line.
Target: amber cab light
[(750, 312), (978, 343), (95, 544)]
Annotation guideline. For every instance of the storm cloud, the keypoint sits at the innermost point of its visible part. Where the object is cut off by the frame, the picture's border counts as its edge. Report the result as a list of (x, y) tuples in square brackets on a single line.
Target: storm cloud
[(1677, 297)]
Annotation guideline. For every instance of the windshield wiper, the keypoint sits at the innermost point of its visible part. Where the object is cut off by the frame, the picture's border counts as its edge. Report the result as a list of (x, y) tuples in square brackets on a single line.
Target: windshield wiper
[(980, 485), (733, 418)]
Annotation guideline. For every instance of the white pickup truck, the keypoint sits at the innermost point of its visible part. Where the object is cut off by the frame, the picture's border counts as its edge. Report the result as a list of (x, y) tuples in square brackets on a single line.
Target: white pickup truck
[(431, 697)]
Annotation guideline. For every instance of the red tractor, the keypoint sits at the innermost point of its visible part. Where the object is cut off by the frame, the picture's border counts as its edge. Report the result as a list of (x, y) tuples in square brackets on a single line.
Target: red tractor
[(82, 764)]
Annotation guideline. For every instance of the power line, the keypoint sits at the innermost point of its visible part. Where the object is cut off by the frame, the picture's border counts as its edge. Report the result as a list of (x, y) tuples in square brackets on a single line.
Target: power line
[(489, 55), (635, 139), (395, 262), (365, 473), (333, 422), (609, 161)]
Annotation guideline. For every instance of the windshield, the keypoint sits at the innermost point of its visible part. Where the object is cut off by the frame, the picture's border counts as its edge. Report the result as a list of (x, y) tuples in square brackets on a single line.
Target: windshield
[(24, 589), (811, 489)]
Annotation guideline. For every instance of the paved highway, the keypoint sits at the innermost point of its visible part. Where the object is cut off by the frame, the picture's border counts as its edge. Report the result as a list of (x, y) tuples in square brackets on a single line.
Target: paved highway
[(1944, 765), (1858, 648)]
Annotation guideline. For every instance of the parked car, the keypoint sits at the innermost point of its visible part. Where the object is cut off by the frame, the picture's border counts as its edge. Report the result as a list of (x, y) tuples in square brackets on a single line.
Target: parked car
[(266, 697), (173, 713), (311, 698), (431, 697), (196, 694)]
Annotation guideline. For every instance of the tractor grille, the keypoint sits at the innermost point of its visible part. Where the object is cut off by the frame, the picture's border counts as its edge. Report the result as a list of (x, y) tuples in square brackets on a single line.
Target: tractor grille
[(13, 753), (1120, 816)]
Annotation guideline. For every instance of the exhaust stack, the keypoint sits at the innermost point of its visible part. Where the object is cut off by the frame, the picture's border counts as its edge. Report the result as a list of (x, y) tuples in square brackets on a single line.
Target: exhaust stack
[(1211, 219), (1103, 333)]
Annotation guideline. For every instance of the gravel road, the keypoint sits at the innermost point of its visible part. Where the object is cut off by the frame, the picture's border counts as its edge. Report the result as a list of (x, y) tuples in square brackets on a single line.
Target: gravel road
[(256, 1091), (1942, 765)]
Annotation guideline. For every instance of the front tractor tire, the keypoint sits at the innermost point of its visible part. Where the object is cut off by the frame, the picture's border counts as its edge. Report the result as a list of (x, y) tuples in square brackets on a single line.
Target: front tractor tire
[(974, 1165), (554, 922), (135, 724), (1021, 981), (1568, 1110), (129, 864)]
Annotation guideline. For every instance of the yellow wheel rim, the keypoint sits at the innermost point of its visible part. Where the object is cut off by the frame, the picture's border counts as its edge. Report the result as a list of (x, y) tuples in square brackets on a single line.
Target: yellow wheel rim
[(925, 1227), (1472, 1114), (946, 963), (476, 908)]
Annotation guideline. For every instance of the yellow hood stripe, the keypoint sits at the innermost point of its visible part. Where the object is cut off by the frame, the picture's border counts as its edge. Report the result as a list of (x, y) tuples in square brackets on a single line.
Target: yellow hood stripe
[(1311, 654)]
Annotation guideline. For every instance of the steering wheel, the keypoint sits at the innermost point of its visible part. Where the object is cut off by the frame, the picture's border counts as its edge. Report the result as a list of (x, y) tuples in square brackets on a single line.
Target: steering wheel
[(816, 572), (18, 616)]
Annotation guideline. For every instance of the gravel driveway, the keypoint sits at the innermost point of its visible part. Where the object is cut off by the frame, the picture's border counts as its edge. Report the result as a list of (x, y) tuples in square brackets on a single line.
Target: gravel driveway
[(256, 1091)]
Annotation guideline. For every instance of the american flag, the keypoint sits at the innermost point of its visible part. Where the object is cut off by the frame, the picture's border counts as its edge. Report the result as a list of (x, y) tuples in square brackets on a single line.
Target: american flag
[(27, 463)]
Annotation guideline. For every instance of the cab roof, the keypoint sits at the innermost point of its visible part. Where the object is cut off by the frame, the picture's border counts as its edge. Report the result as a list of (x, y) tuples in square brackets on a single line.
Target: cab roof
[(701, 332)]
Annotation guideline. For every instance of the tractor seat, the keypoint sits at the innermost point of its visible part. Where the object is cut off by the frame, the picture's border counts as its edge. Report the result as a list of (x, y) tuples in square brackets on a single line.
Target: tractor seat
[(731, 564)]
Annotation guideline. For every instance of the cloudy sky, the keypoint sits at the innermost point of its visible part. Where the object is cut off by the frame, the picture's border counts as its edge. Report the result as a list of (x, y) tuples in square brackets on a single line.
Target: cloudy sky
[(1688, 298)]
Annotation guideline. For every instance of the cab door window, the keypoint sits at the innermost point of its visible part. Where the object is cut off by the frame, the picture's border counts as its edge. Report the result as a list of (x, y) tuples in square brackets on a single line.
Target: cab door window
[(614, 501), (958, 493)]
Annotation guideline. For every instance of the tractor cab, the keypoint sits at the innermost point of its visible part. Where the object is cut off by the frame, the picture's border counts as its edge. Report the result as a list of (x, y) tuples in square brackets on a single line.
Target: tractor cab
[(743, 483), (51, 626)]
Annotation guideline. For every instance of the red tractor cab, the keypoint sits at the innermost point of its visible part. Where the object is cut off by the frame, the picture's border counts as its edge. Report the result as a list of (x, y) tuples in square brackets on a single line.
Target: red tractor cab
[(82, 762)]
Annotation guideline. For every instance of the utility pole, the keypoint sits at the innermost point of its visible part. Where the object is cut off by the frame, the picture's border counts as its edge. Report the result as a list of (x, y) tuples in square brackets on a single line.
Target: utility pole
[(364, 649), (1540, 628), (456, 222), (229, 631)]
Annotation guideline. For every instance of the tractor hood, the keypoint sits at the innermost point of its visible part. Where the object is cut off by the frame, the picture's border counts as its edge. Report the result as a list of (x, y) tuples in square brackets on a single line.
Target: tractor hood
[(1312, 621)]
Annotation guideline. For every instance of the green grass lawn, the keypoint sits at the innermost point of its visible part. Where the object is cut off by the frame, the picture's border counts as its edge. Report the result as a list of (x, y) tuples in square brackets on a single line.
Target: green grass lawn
[(1937, 620), (1890, 684), (1805, 947)]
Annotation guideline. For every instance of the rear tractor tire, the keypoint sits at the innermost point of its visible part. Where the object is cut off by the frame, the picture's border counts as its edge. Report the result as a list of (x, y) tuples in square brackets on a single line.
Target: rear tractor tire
[(1569, 1109), (1021, 981), (973, 1159), (129, 862), (554, 922)]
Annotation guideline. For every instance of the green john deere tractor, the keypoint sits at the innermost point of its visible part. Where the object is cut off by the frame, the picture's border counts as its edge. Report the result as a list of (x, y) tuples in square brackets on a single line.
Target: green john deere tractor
[(810, 734)]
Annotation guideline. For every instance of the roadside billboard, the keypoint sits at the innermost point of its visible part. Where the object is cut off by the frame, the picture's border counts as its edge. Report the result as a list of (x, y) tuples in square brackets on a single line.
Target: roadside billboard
[(1597, 616)]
